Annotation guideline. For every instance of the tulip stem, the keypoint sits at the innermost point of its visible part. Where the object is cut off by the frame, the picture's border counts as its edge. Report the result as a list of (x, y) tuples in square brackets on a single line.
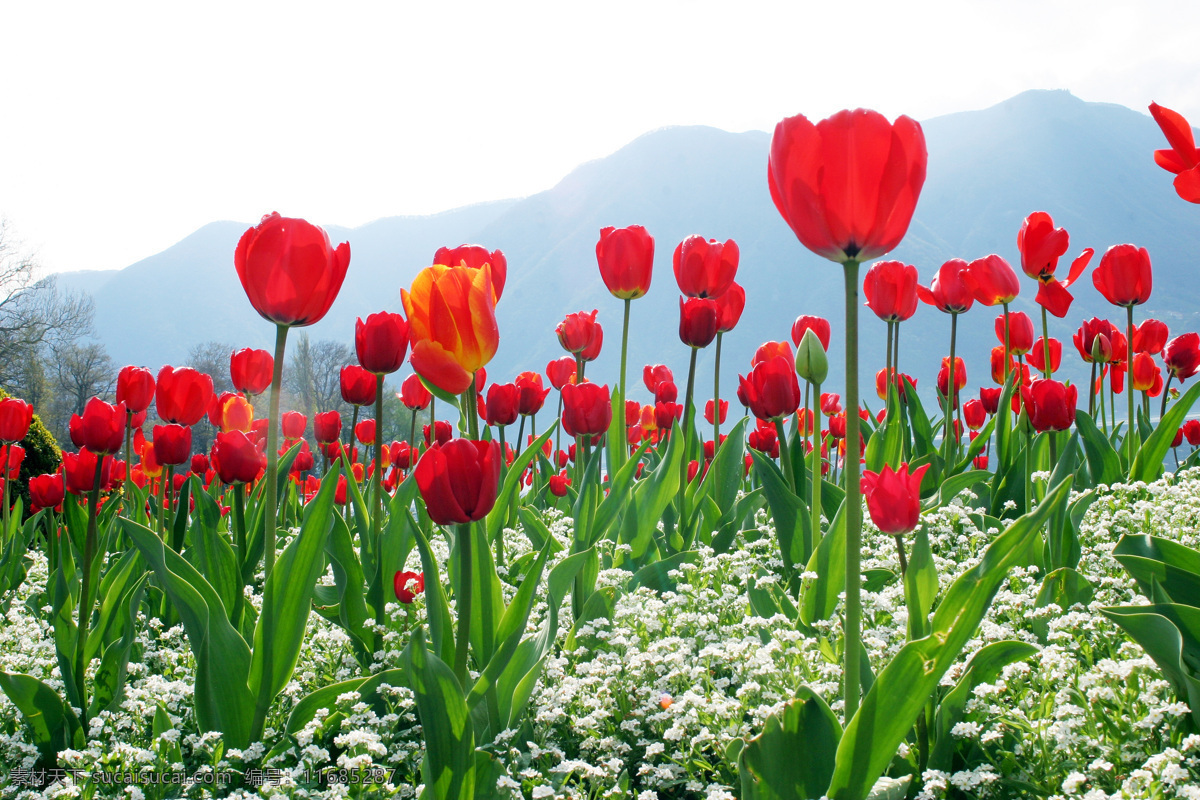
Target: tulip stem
[(1046, 368), (128, 436), (815, 529), (785, 455), (272, 445), (503, 470), (853, 630), (412, 438), (169, 490), (621, 449), (557, 436), (687, 435), (948, 442), (463, 602), (377, 590), (86, 590), (239, 528), (888, 372), (1092, 392), (1166, 385), (1129, 434), (1006, 343), (7, 458), (717, 398)]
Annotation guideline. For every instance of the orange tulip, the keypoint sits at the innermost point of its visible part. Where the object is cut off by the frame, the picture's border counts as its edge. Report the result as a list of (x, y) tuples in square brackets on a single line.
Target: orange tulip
[(452, 324)]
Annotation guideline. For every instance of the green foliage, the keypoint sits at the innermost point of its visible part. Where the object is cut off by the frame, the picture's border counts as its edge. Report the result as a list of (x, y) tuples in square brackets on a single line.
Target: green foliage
[(42, 455)]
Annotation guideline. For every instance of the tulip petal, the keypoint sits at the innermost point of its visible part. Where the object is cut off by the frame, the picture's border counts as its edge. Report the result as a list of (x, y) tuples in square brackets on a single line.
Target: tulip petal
[(1054, 297), (1178, 133), (1187, 185), (1079, 265), (439, 367)]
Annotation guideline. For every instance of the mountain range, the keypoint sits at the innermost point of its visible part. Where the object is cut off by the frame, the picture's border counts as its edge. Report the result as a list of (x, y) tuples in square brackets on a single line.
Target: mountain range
[(1088, 164)]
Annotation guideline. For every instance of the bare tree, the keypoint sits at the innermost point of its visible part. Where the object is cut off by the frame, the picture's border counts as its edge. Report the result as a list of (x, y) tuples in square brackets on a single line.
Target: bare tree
[(312, 376), (79, 371), (212, 358)]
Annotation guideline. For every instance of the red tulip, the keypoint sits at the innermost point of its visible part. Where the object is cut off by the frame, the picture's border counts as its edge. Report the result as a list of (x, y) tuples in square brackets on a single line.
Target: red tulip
[(413, 394), (135, 388), (652, 376), (364, 431), (592, 351), (46, 491), (848, 185), (894, 498), (15, 455), (1041, 245), (948, 292), (15, 418), (992, 280), (730, 305), (708, 411), (587, 409), (764, 439), (459, 480), (666, 392), (358, 385), (408, 585), (831, 403), (559, 484), (1191, 430), (442, 432), (1091, 330), (236, 459), (503, 400), (626, 259), (1020, 332), (576, 331), (1124, 276), (561, 372), (172, 444), (768, 350), (990, 398), (818, 325), (327, 427), (289, 270), (1037, 356), (665, 415), (251, 370), (705, 268), (891, 291), (101, 429), (531, 393), (79, 471), (199, 464), (1177, 439), (1183, 159), (974, 414), (1145, 372), (771, 388), (294, 424), (1150, 337), (697, 321), (1182, 356), (1050, 404), (381, 342), (475, 256), (182, 395)]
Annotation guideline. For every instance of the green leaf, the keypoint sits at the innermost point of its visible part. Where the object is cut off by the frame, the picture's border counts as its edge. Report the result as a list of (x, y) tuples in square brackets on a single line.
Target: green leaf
[(1148, 462), (651, 497), (984, 667), (449, 765), (921, 429), (512, 482), (1170, 634), (349, 582), (326, 697), (953, 486), (655, 575), (1153, 560), (789, 512), (901, 690), (920, 585), (108, 682), (287, 599), (1103, 462), (53, 726), (819, 595), (223, 700), (437, 607), (792, 759)]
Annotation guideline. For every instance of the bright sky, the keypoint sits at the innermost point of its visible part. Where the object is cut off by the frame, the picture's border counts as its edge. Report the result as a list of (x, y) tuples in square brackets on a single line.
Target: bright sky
[(127, 126)]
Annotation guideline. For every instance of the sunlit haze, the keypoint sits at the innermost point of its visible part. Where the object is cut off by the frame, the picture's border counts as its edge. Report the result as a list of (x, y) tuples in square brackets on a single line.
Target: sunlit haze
[(126, 127)]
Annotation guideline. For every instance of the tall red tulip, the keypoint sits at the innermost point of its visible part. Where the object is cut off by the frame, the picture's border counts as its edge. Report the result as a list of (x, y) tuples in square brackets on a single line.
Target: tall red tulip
[(15, 418), (46, 491), (587, 409), (992, 280), (458, 480), (818, 325), (894, 498), (626, 259), (576, 331), (381, 342), (251, 370), (948, 291), (293, 424), (172, 444), (705, 267), (358, 385), (182, 395), (101, 428), (1183, 159), (289, 270), (697, 321), (891, 291), (771, 389), (414, 395), (135, 388), (1050, 404), (1124, 276)]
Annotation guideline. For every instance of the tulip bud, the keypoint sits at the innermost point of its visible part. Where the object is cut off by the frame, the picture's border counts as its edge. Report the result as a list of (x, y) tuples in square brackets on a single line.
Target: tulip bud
[(812, 363)]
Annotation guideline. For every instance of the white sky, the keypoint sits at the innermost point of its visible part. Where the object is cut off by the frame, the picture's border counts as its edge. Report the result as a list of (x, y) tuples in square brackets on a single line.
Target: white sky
[(127, 126)]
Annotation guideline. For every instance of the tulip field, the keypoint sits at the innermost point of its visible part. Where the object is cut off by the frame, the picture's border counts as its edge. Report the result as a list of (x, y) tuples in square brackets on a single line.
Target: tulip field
[(547, 589)]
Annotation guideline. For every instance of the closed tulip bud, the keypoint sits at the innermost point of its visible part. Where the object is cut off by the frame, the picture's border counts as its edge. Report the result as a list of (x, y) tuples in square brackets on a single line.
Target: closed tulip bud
[(79, 470), (592, 351), (15, 455), (289, 270), (652, 376), (304, 459), (948, 291), (327, 427), (46, 491), (474, 256), (974, 414), (576, 331), (414, 395), (990, 398), (1050, 404), (705, 268), (992, 280), (458, 480), (1191, 430), (1182, 356), (1150, 337), (381, 342), (15, 418), (626, 260), (561, 372), (531, 393), (251, 370), (812, 363), (135, 388), (559, 484), (891, 291), (730, 305), (1177, 439), (407, 585), (1145, 372), (818, 325), (708, 411), (1037, 356), (101, 429), (294, 424), (172, 444), (837, 426), (894, 498), (358, 385), (587, 409), (960, 378), (1020, 332), (199, 464), (236, 458), (502, 402), (697, 321), (1124, 276), (182, 396), (365, 431)]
